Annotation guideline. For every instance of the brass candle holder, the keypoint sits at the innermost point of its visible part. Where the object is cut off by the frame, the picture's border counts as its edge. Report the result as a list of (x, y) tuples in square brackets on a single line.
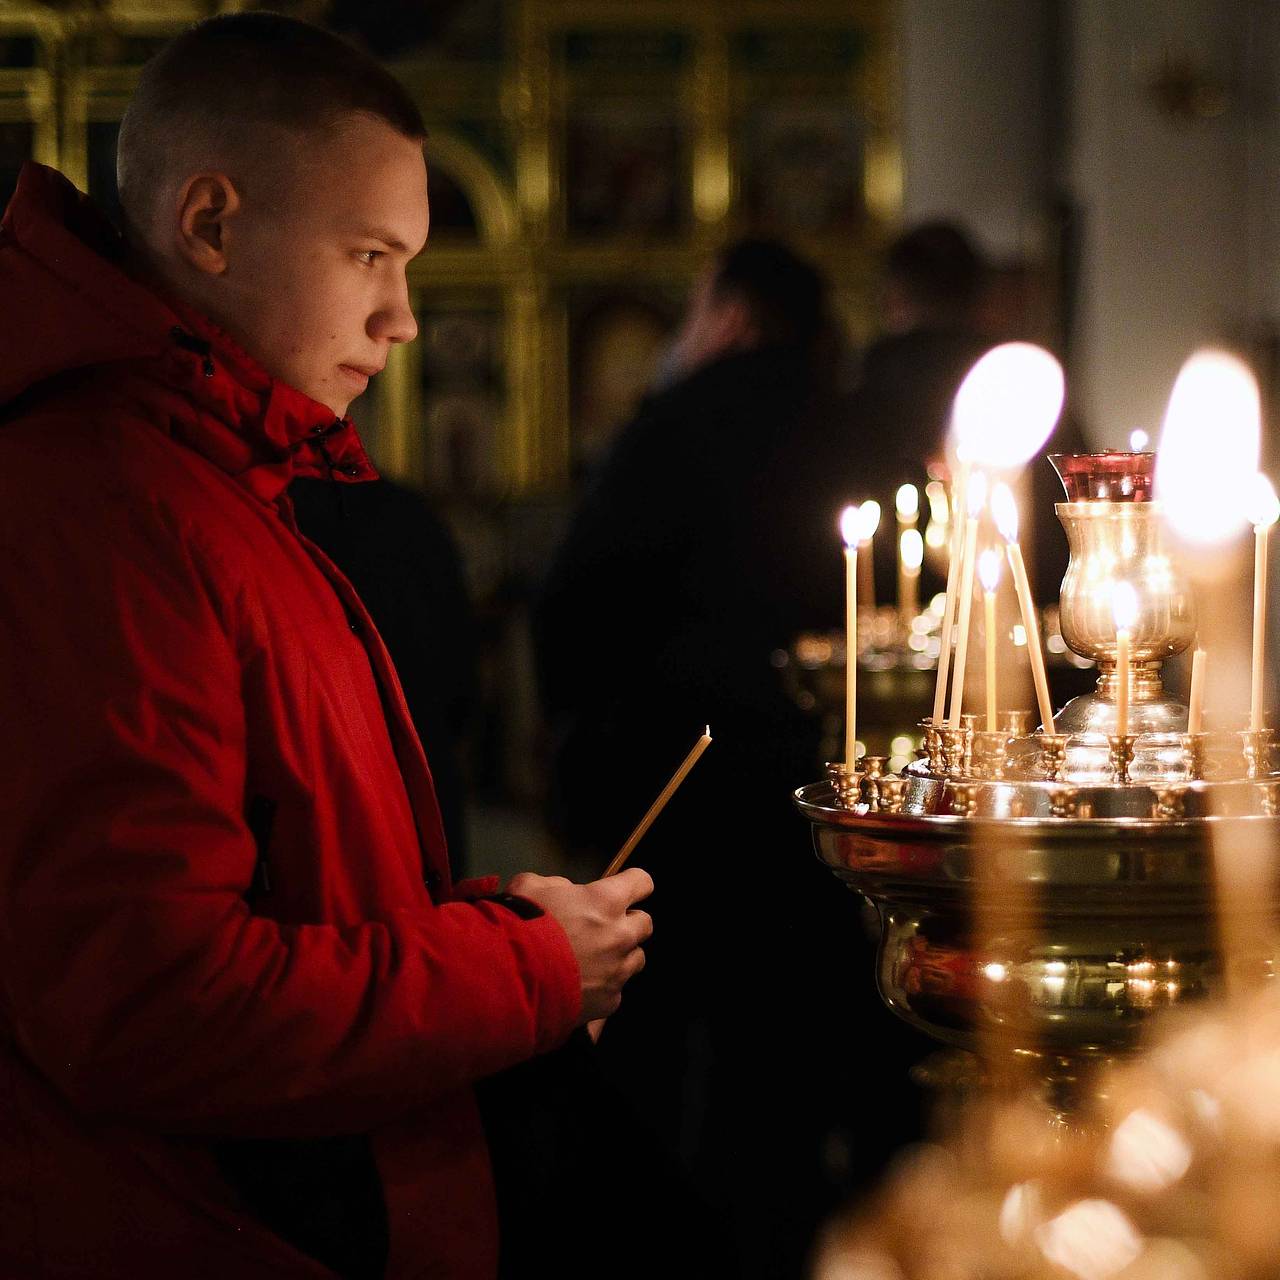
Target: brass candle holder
[(1122, 747), (989, 750)]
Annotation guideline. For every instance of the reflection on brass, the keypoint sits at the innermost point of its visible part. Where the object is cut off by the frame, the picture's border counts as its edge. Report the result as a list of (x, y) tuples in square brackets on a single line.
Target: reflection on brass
[(1256, 749), (893, 791), (1053, 753), (964, 798), (989, 750), (932, 744), (1195, 748), (1270, 798), (969, 725), (955, 746), (1015, 724), (1062, 801), (1170, 802), (1121, 746), (845, 780)]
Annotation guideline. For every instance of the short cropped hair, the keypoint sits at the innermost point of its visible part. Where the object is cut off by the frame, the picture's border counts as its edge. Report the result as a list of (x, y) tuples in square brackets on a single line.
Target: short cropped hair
[(938, 267), (223, 81), (787, 297)]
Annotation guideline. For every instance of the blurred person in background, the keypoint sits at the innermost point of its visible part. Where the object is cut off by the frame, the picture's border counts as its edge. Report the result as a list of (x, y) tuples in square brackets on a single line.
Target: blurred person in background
[(707, 541)]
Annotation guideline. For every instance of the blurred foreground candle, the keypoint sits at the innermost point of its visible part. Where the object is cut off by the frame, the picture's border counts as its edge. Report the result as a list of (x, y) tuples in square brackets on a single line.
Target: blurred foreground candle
[(1265, 512), (1124, 606), (975, 500), (907, 504), (850, 526), (1005, 512), (868, 523), (989, 576), (1195, 711)]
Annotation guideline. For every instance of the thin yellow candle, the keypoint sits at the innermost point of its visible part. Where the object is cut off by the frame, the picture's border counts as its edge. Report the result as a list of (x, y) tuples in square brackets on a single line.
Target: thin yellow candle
[(620, 858), (959, 496), (975, 501), (849, 529), (1266, 510), (907, 505), (989, 576), (868, 523), (1195, 712), (1124, 607), (1005, 511)]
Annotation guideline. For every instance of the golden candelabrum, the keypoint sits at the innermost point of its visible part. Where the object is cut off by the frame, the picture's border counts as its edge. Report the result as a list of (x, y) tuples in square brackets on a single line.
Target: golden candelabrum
[(1041, 894)]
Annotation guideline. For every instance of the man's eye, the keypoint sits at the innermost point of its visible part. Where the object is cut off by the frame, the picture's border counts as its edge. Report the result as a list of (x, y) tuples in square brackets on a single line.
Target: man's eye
[(369, 256)]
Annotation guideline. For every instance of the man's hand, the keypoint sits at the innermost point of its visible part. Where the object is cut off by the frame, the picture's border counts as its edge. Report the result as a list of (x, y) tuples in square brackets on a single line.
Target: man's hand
[(604, 931)]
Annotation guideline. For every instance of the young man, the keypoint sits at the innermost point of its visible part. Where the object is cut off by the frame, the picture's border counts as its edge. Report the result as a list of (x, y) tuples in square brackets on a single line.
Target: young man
[(242, 1006)]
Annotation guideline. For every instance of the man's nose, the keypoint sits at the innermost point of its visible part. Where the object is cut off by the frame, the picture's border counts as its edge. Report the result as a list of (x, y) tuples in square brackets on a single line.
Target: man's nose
[(394, 320)]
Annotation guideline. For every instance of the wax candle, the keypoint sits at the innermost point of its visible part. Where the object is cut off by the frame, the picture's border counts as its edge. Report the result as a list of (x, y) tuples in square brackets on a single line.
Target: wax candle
[(1195, 712), (1124, 607), (907, 505), (1265, 512), (959, 497), (868, 523), (976, 499), (849, 529), (911, 556), (989, 576), (1005, 511)]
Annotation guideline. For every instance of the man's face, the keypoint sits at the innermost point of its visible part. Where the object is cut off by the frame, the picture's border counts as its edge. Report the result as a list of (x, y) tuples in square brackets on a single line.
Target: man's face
[(315, 285)]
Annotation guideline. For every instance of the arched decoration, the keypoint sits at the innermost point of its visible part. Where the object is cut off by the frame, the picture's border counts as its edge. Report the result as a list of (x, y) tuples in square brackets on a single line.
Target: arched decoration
[(493, 204)]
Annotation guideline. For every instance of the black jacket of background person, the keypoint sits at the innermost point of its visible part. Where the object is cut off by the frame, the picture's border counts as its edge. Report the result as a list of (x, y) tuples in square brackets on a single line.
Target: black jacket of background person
[(709, 538), (404, 565)]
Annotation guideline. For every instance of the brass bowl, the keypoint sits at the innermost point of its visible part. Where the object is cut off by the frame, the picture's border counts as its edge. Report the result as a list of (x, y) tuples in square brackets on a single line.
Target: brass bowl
[(1102, 921)]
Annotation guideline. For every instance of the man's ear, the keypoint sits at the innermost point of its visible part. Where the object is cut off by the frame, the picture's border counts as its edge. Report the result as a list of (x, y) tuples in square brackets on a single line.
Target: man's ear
[(735, 328), (206, 204)]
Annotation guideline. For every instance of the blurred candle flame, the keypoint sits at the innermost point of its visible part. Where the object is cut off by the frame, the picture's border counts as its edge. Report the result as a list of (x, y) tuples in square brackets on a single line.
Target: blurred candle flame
[(1124, 605), (989, 569), (1138, 441), (1004, 510), (1008, 405), (907, 501), (1092, 1239), (1146, 1153), (1209, 447), (849, 525), (912, 545), (1264, 506), (868, 520)]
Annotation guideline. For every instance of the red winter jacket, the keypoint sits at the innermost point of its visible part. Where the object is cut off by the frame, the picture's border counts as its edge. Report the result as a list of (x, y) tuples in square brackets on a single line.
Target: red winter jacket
[(225, 910)]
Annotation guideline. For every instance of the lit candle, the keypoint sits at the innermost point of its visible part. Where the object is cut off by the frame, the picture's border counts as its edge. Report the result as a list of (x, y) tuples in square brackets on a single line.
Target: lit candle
[(1005, 511), (907, 504), (849, 529), (977, 498), (1195, 712), (936, 534), (1266, 511), (911, 553), (1124, 607), (989, 576), (868, 523), (958, 499)]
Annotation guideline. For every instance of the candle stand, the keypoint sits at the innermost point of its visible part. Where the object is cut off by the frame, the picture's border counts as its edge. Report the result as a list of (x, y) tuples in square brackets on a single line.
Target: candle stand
[(1047, 892)]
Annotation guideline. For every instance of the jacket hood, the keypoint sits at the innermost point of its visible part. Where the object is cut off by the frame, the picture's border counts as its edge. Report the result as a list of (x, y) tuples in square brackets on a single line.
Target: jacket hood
[(74, 310)]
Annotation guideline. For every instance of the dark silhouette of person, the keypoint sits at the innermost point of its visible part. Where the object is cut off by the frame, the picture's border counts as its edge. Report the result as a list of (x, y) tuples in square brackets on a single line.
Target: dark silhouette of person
[(707, 540), (405, 566)]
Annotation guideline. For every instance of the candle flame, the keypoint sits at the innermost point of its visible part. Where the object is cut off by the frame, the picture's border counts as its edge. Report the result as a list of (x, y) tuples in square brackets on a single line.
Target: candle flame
[(1264, 506), (849, 525), (912, 547), (936, 492), (868, 520), (1004, 510), (1124, 605), (1138, 440), (1007, 406), (977, 497), (1209, 447), (989, 569), (907, 501)]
